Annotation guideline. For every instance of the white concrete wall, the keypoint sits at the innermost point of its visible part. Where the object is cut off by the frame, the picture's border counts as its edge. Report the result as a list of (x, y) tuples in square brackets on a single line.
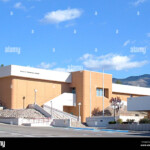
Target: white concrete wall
[(35, 73), (99, 121), (134, 127), (33, 122), (136, 118), (138, 103), (13, 121), (61, 123), (65, 99), (119, 88)]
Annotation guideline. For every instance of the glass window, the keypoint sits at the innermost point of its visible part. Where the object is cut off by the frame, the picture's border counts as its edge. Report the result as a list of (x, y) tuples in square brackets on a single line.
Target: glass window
[(99, 92), (73, 90)]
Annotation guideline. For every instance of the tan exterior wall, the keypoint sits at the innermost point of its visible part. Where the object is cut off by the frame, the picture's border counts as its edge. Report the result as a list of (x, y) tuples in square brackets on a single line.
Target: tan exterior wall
[(6, 92), (81, 81), (46, 90), (77, 82), (13, 89)]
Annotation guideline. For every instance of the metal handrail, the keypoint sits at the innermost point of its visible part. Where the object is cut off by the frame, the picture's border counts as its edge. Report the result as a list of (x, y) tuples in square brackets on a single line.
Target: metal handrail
[(62, 112)]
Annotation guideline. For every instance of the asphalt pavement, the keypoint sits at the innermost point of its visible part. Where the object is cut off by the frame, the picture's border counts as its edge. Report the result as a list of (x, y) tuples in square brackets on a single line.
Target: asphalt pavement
[(7, 130)]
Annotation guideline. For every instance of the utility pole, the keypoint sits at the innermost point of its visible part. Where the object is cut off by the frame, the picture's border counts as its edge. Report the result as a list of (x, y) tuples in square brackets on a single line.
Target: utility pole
[(90, 93), (35, 90), (103, 92), (51, 109), (79, 104)]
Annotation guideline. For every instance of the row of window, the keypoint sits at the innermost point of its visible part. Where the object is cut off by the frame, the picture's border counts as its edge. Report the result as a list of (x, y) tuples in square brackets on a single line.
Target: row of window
[(99, 91)]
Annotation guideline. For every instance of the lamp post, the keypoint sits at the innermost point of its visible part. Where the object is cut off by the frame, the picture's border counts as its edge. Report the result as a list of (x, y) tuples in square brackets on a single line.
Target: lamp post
[(51, 109), (23, 101), (35, 91), (90, 93), (79, 104)]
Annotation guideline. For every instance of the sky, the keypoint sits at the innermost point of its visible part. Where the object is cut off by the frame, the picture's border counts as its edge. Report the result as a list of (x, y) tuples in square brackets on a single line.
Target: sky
[(72, 35)]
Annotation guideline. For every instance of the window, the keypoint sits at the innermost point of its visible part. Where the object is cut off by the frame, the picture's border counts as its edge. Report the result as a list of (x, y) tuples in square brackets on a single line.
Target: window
[(99, 92), (74, 90)]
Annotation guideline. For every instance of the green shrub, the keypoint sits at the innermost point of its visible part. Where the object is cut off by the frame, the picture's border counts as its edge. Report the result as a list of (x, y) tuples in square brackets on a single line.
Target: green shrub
[(112, 122), (130, 120), (144, 120), (119, 121)]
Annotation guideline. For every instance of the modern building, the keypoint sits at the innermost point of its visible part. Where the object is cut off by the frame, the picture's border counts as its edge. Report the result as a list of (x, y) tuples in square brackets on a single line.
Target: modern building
[(21, 86)]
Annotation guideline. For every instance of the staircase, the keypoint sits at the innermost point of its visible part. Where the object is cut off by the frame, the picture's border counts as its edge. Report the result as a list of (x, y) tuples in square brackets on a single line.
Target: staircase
[(57, 114)]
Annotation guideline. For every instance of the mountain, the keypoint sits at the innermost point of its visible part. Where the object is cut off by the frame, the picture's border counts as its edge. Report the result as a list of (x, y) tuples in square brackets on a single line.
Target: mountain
[(142, 80)]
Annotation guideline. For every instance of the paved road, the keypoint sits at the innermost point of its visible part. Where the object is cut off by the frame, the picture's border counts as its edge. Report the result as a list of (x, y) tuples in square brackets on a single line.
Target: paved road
[(24, 131)]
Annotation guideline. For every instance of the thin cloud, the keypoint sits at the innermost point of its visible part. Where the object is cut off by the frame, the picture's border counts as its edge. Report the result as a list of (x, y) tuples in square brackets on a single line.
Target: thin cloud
[(59, 16), (70, 68), (126, 43), (5, 0), (11, 13), (138, 2), (44, 65), (19, 5), (110, 62), (148, 34)]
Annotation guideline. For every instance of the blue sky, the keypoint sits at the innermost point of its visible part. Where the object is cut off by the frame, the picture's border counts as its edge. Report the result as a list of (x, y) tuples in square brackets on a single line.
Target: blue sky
[(69, 35)]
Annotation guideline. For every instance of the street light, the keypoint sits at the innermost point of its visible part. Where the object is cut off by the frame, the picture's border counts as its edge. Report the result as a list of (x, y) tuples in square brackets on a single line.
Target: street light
[(51, 109), (23, 101), (79, 104), (35, 91)]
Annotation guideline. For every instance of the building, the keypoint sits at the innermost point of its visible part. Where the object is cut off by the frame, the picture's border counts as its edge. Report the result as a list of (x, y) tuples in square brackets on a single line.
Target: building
[(141, 103), (21, 86)]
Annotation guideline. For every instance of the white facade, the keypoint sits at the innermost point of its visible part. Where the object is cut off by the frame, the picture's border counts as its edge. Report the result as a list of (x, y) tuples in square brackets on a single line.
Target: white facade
[(138, 103), (128, 89), (65, 99), (35, 73)]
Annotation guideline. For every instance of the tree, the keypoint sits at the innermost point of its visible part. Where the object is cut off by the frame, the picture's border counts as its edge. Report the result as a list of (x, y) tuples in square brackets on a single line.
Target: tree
[(96, 112), (118, 82), (115, 102), (2, 65)]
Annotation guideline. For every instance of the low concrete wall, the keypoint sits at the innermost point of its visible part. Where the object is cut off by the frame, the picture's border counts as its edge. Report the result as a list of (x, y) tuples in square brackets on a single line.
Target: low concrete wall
[(134, 127), (97, 121), (14, 121), (32, 122), (136, 118), (100, 121), (61, 123)]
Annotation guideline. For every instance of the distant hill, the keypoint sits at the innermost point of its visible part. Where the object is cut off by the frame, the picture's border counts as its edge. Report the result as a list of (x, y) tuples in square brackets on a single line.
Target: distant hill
[(142, 80)]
